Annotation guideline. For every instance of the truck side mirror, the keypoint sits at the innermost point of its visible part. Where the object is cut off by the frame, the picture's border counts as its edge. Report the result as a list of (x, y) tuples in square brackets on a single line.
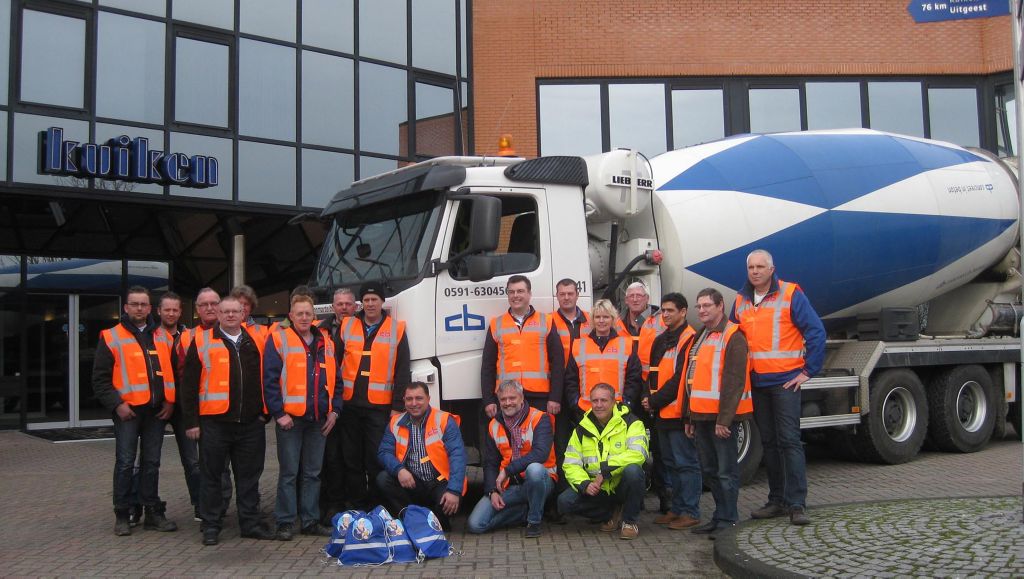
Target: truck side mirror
[(483, 223), (480, 267)]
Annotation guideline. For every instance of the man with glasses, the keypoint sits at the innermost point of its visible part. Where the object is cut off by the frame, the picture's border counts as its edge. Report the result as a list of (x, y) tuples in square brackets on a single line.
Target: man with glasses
[(222, 404), (133, 378)]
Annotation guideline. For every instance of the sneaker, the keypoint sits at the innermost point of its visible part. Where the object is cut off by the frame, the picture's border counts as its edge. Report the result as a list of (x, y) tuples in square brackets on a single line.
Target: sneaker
[(317, 529), (798, 516), (195, 515), (211, 536), (683, 522), (666, 518), (135, 515), (722, 527), (260, 533), (613, 524), (284, 532), (769, 511), (705, 529), (533, 530), (629, 531)]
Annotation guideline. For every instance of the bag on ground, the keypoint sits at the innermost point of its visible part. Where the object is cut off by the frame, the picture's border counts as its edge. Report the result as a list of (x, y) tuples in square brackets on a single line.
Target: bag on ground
[(340, 524), (400, 547), (365, 542), (425, 532)]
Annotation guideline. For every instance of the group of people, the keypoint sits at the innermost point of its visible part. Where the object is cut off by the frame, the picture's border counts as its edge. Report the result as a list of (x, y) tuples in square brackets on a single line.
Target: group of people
[(569, 398)]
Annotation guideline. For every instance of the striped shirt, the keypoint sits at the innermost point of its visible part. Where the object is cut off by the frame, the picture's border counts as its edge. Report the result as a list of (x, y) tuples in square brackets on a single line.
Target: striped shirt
[(421, 469)]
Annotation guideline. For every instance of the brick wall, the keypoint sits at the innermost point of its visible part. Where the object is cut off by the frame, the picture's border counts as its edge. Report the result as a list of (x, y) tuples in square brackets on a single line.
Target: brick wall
[(515, 42)]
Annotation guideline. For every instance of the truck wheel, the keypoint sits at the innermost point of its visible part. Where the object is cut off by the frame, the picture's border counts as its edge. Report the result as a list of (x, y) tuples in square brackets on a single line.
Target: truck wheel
[(897, 421), (962, 405), (748, 439)]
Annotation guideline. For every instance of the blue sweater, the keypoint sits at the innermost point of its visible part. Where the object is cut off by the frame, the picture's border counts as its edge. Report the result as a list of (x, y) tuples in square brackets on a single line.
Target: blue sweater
[(806, 320), (453, 445)]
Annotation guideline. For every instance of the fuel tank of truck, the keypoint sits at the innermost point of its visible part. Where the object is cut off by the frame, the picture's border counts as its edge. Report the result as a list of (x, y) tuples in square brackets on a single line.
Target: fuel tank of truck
[(861, 219)]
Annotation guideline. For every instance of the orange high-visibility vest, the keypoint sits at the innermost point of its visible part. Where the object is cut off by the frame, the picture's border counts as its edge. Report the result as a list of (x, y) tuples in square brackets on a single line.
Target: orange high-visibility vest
[(667, 367), (566, 336), (705, 392), (215, 379), (163, 339), (523, 354), (776, 345), (596, 366), (500, 437), (130, 376), (433, 440), (292, 351), (652, 327), (383, 355)]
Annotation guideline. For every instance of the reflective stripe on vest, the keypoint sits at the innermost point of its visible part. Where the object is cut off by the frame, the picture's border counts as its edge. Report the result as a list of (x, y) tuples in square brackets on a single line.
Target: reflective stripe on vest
[(294, 373), (706, 390), (383, 354), (596, 366), (130, 375), (776, 345), (163, 341), (433, 441), (666, 368), (523, 354), (500, 437)]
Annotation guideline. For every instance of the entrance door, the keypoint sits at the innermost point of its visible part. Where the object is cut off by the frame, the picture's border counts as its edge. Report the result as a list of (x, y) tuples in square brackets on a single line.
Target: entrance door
[(94, 313), (11, 375)]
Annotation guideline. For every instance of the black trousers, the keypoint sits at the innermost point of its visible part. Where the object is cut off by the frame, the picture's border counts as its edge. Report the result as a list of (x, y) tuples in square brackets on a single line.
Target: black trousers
[(332, 475), (396, 497), (361, 432), (245, 444)]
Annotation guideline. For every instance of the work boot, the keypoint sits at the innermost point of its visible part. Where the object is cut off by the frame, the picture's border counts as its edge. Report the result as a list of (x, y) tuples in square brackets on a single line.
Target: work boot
[(121, 525), (613, 524), (156, 521), (769, 511), (683, 522), (798, 516)]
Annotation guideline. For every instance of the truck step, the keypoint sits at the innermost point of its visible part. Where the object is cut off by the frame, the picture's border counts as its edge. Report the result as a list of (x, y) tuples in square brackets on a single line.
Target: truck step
[(833, 420), (831, 382)]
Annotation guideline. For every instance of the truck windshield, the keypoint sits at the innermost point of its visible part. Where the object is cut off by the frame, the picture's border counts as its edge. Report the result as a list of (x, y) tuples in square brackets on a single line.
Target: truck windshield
[(384, 241)]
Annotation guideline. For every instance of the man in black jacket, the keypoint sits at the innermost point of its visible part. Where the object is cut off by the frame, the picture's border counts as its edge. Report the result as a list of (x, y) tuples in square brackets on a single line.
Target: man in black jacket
[(222, 403)]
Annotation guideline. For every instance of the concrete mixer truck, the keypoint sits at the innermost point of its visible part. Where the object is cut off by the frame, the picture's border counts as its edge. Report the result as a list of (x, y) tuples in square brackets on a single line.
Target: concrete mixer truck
[(906, 248)]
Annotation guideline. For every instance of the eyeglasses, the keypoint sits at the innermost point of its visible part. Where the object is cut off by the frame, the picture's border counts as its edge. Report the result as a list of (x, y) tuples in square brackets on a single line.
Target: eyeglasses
[(704, 306), (138, 304)]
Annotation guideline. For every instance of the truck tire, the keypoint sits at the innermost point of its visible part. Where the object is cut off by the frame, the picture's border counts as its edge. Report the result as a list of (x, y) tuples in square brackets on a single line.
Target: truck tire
[(748, 439), (895, 427), (962, 406)]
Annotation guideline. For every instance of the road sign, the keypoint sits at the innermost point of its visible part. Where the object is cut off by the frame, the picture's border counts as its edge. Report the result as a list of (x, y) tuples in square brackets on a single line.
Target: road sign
[(942, 10)]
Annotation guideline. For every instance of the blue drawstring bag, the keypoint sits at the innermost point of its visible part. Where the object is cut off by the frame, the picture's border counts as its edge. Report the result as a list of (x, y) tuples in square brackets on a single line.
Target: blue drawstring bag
[(400, 547), (365, 542), (340, 524), (425, 532)]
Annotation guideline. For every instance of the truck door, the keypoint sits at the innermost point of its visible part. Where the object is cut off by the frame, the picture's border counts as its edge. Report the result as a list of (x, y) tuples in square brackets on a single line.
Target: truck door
[(464, 308)]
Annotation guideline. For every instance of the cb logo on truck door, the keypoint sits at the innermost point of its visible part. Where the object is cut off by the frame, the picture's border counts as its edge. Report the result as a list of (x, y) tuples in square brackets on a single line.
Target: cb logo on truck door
[(464, 322)]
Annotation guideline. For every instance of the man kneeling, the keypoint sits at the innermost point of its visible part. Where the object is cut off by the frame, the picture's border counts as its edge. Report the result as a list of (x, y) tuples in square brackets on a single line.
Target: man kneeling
[(604, 465), (519, 465), (423, 458)]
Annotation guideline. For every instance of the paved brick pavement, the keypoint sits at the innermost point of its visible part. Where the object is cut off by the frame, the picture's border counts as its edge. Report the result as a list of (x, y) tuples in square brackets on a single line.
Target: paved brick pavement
[(57, 521)]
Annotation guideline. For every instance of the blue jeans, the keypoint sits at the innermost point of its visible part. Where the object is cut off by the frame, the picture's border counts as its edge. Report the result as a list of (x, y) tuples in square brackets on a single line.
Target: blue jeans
[(303, 441), (777, 413), (523, 502), (682, 469), (629, 493), (150, 429), (718, 459), (188, 452)]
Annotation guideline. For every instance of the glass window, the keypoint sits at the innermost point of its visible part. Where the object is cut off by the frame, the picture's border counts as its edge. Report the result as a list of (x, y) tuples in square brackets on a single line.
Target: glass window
[(52, 59), (271, 18), (10, 270), (382, 108), (433, 35), (570, 119), (833, 105), (463, 35), (266, 173), (26, 148), (774, 110), (130, 82), (3, 145), (636, 117), (154, 7), (328, 24), (105, 132), (324, 174), (1006, 120), (266, 79), (5, 49), (435, 120), (953, 115), (519, 246), (219, 13), (327, 99), (896, 107), (370, 166), (382, 31), (215, 147), (201, 82), (698, 116)]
